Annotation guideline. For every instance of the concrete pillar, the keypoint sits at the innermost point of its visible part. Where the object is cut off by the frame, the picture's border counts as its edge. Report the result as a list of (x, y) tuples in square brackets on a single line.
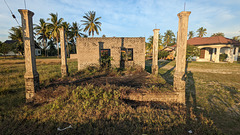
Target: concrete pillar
[(155, 52), (207, 56), (179, 75), (31, 76), (64, 67), (231, 57), (217, 55), (236, 54)]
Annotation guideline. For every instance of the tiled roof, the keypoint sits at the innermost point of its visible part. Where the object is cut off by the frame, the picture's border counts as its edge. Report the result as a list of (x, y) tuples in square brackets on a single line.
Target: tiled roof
[(211, 41), (13, 41), (10, 41)]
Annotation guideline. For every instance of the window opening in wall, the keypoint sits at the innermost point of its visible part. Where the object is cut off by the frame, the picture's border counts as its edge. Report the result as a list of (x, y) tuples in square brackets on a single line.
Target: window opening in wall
[(105, 58), (234, 50), (127, 54)]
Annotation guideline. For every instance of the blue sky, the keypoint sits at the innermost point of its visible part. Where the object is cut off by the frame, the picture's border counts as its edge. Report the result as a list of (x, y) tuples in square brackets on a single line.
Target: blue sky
[(132, 18)]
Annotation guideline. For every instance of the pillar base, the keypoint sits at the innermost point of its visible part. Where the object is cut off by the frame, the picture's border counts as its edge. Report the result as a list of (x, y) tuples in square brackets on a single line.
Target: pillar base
[(155, 69), (31, 86), (179, 86), (179, 83), (64, 71)]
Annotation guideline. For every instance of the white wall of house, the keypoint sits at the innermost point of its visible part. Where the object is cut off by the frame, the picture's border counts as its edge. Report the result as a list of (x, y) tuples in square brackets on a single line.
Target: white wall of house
[(224, 49), (11, 53)]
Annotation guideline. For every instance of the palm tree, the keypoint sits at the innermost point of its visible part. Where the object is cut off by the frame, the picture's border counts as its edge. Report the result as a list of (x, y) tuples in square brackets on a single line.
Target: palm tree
[(17, 35), (218, 34), (237, 38), (91, 23), (169, 37), (43, 31), (201, 32), (75, 32), (190, 34), (54, 28), (149, 44), (67, 34)]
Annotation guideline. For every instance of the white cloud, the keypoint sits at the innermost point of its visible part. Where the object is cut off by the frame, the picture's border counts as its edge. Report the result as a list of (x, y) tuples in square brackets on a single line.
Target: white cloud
[(131, 17)]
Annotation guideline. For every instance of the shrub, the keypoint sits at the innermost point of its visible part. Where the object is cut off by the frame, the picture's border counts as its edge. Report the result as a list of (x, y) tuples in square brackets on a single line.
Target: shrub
[(223, 57), (192, 51), (162, 54)]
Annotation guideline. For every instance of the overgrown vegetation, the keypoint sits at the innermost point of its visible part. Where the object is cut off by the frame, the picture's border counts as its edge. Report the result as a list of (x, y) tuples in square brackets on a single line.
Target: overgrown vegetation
[(163, 54), (192, 51), (222, 57), (91, 101)]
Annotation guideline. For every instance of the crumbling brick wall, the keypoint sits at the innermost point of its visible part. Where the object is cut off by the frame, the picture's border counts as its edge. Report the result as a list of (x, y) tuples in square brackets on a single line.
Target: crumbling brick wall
[(88, 50)]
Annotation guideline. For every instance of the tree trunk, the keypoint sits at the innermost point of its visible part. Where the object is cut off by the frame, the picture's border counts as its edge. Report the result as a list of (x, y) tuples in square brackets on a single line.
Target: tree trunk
[(46, 48), (68, 54), (57, 48)]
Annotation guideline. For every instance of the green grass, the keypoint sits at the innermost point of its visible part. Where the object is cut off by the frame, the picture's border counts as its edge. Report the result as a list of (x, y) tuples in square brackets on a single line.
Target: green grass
[(213, 105), (216, 95)]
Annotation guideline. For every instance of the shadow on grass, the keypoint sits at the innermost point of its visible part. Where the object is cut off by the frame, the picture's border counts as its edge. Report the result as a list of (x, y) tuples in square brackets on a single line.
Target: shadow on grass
[(168, 76), (190, 97), (119, 123)]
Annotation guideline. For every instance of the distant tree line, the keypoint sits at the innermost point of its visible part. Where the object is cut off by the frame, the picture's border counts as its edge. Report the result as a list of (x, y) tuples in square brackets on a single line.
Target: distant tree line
[(47, 35), (169, 39)]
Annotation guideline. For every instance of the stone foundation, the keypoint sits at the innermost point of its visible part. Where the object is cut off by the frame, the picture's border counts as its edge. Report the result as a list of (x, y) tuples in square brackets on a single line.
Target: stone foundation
[(64, 70), (170, 97), (31, 86)]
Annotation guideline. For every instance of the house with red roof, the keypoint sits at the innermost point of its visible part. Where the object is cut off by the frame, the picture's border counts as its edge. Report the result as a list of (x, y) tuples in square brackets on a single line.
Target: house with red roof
[(212, 47)]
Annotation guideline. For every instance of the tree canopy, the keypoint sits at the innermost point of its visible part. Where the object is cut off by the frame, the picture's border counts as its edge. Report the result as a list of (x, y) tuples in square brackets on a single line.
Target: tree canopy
[(201, 32), (17, 35), (91, 23), (54, 26), (218, 34), (43, 32), (190, 34), (169, 38)]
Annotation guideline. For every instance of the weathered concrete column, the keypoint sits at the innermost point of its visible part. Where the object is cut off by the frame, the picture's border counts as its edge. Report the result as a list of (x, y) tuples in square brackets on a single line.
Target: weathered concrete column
[(179, 75), (217, 55), (231, 58), (155, 52), (236, 54), (31, 76), (64, 67)]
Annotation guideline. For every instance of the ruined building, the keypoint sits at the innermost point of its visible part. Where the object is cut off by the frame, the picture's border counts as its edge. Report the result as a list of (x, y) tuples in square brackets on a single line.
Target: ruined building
[(124, 51)]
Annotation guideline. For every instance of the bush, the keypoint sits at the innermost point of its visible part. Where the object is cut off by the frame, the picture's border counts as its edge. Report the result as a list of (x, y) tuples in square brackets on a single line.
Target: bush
[(223, 57), (162, 54), (192, 51)]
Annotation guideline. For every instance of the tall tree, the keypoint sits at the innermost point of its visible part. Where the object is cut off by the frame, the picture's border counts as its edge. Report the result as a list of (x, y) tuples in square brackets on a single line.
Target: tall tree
[(4, 48), (16, 34), (237, 38), (149, 44), (91, 23), (75, 32), (54, 28), (67, 28), (201, 32), (42, 30), (218, 34), (169, 38), (190, 34)]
